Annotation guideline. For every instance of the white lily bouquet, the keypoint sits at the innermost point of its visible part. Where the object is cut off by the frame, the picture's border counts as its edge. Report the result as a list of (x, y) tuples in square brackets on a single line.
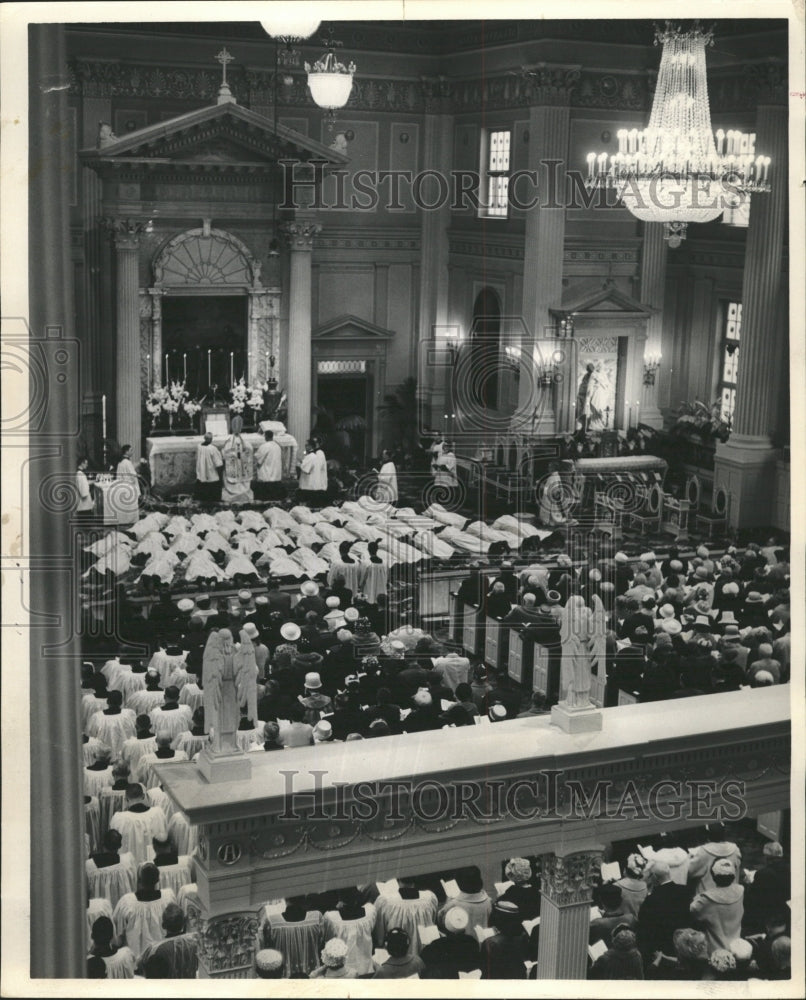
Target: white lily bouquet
[(155, 400), (240, 394)]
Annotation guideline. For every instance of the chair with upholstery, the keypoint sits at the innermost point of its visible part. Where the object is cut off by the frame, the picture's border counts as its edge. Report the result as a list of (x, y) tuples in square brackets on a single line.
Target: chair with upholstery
[(649, 516)]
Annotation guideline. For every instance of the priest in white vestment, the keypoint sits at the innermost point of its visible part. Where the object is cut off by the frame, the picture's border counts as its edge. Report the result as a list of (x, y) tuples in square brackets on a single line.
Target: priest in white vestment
[(387, 479), (138, 824), (180, 950), (407, 908), (239, 465), (208, 464), (269, 466), (127, 496), (138, 915)]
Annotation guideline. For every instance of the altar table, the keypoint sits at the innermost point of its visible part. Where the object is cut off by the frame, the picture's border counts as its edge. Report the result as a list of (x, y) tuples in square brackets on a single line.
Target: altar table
[(172, 460)]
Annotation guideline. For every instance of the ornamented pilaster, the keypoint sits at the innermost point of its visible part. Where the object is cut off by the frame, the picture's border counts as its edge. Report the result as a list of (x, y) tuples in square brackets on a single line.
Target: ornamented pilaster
[(126, 235), (437, 95), (553, 85), (146, 341), (299, 236), (227, 946), (566, 885)]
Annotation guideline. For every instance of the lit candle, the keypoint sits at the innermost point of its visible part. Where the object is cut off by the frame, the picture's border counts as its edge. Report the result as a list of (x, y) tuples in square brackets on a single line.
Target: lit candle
[(591, 158), (103, 420), (148, 364), (184, 366), (232, 368), (629, 416), (637, 412), (209, 379), (167, 371)]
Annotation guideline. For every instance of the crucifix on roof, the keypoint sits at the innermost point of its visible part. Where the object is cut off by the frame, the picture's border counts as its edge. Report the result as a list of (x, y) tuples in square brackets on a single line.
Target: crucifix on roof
[(224, 93)]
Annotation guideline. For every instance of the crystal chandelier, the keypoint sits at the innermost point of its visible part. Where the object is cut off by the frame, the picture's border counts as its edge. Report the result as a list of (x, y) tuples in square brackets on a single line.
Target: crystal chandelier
[(673, 171), (330, 82)]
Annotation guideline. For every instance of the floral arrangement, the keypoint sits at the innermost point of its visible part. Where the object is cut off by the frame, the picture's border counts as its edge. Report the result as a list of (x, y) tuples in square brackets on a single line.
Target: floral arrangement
[(191, 407), (255, 397), (240, 393), (699, 419), (155, 400), (176, 395)]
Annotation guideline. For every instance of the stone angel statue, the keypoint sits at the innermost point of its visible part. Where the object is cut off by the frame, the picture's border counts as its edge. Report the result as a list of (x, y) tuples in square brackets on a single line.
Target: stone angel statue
[(229, 673), (246, 676), (577, 629)]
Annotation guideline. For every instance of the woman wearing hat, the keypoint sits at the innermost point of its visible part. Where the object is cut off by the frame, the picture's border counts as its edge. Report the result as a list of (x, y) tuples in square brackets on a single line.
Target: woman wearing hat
[(719, 910), (313, 701), (503, 955)]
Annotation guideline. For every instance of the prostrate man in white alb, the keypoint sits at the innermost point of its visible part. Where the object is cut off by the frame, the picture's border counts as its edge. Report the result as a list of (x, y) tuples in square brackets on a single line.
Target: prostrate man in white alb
[(269, 469), (208, 464)]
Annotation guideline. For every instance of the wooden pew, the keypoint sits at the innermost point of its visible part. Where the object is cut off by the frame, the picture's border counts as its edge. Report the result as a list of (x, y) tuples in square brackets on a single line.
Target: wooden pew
[(520, 658), (472, 630), (496, 644)]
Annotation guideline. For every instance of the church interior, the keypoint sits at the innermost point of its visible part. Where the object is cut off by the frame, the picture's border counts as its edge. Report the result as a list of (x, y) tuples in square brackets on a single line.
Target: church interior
[(458, 269)]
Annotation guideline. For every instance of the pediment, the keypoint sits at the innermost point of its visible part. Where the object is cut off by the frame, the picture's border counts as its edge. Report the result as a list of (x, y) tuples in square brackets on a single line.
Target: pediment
[(606, 299), (226, 135), (351, 328)]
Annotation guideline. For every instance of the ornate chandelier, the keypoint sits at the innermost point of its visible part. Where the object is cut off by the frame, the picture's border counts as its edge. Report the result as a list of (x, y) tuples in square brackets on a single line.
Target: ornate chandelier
[(673, 171), (330, 82)]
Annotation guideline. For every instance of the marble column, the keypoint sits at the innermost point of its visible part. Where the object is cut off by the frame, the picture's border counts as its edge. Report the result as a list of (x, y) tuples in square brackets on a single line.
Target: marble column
[(549, 118), (56, 826), (435, 382), (126, 235), (566, 888), (653, 286), (300, 235), (745, 464)]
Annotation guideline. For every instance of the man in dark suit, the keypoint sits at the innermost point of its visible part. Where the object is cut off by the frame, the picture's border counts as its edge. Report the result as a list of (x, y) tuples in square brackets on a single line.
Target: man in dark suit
[(664, 910)]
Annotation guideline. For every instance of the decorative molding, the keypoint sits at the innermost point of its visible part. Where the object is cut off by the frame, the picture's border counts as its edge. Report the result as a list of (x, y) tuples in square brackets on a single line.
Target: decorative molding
[(299, 236), (469, 245), (343, 241), (569, 880), (91, 78), (613, 91)]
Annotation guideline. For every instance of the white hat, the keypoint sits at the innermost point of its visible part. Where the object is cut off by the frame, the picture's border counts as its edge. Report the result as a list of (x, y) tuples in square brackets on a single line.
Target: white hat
[(268, 960), (322, 731), (666, 611), (251, 630), (344, 635), (244, 596), (313, 681), (497, 712), (727, 618), (397, 645), (333, 602), (621, 557), (702, 552), (309, 588), (261, 599), (185, 604), (648, 557), (422, 698), (351, 614), (334, 953), (731, 589), (290, 632), (456, 919), (671, 626)]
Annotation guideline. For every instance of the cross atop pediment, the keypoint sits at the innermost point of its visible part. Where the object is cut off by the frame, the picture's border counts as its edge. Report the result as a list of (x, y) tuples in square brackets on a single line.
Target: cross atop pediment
[(224, 93)]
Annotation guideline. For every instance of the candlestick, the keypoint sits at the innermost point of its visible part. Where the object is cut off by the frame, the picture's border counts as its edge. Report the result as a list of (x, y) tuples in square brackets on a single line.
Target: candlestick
[(148, 366), (103, 428), (184, 366), (209, 378), (232, 368), (629, 416), (167, 371)]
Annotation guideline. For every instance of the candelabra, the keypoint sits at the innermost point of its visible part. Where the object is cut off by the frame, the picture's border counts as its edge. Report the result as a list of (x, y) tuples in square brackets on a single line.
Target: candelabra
[(651, 365)]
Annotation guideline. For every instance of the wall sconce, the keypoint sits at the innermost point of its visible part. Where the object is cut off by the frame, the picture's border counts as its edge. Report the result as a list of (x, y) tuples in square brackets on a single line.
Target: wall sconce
[(566, 325), (651, 365)]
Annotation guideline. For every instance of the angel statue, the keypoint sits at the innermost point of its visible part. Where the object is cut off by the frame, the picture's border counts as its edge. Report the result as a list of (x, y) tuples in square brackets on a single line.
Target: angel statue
[(578, 637), (229, 672)]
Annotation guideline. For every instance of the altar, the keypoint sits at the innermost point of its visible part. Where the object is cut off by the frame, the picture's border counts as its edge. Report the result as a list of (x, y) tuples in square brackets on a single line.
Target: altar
[(172, 460)]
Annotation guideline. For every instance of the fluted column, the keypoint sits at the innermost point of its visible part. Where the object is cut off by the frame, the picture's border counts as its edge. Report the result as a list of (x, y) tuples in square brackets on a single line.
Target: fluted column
[(544, 238), (435, 383), (566, 888), (300, 235), (126, 235), (56, 827), (653, 284), (745, 465)]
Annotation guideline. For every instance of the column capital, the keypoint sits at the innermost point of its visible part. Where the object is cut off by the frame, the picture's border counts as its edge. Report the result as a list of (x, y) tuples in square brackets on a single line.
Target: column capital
[(437, 94), (125, 232), (551, 85), (227, 945), (570, 878), (300, 234)]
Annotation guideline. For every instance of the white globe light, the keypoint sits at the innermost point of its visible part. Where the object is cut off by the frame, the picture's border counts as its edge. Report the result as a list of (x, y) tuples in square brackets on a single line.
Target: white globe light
[(290, 26)]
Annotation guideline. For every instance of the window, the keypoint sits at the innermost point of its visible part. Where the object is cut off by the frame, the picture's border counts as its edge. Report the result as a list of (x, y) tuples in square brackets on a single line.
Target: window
[(495, 173), (729, 374)]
